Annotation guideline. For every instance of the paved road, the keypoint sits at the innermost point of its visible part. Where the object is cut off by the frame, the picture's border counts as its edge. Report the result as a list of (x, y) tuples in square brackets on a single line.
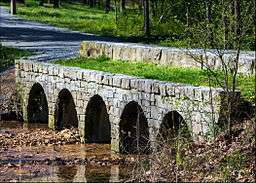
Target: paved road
[(47, 41)]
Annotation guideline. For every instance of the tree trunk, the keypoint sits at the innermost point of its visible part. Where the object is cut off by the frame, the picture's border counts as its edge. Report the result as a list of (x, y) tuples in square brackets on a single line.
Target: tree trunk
[(13, 7), (22, 1), (56, 3), (86, 2), (41, 2), (231, 24), (146, 18), (92, 3), (238, 24), (140, 5), (209, 20), (122, 6), (187, 14), (225, 25), (107, 6), (153, 7)]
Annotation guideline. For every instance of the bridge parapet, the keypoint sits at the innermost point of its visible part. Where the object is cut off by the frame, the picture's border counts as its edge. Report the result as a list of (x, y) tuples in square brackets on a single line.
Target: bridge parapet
[(168, 56), (94, 91)]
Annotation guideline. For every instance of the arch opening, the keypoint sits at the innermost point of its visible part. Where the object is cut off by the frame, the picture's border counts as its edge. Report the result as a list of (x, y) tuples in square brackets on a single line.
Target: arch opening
[(173, 126), (37, 109), (134, 131), (97, 124), (65, 113)]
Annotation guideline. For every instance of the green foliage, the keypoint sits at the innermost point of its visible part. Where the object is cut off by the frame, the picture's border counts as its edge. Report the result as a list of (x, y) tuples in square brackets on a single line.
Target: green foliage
[(231, 164), (8, 55), (196, 77), (177, 24), (169, 23)]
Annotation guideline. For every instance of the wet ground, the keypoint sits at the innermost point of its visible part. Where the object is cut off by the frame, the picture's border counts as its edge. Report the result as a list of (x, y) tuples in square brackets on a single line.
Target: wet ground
[(36, 153), (60, 159)]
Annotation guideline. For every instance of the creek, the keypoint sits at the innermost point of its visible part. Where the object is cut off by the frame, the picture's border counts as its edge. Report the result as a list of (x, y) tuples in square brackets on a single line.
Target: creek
[(23, 160)]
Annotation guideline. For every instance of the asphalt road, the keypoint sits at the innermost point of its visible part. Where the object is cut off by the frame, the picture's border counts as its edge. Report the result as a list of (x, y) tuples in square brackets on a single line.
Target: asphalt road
[(48, 42)]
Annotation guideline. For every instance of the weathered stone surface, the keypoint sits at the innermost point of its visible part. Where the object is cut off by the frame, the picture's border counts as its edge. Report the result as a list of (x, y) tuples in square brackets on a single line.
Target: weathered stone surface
[(167, 56), (156, 98)]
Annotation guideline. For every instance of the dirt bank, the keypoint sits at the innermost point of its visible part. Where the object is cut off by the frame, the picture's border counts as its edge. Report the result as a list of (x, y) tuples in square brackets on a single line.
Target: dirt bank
[(8, 97)]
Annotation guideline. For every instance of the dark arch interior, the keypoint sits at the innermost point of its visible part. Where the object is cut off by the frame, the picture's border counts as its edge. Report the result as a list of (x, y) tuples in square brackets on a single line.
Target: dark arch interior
[(97, 124), (173, 125), (134, 131), (65, 113), (37, 105)]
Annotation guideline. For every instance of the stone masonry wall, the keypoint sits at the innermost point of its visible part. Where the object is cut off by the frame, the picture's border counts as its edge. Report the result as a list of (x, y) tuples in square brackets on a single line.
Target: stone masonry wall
[(156, 98), (165, 56)]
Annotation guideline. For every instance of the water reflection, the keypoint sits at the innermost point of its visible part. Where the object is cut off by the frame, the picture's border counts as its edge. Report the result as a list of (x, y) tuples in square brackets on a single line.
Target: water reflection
[(40, 164), (81, 173), (66, 173), (10, 124), (20, 125)]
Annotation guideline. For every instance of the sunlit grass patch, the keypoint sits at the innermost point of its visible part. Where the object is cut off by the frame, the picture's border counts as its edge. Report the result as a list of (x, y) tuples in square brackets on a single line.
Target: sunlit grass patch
[(193, 76)]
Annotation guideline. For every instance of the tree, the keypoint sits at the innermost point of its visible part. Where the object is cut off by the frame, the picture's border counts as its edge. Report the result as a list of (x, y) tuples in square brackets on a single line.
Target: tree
[(107, 6), (13, 7), (122, 6), (232, 32), (153, 7), (225, 25), (209, 23), (56, 3), (187, 14), (92, 3), (41, 2), (146, 17)]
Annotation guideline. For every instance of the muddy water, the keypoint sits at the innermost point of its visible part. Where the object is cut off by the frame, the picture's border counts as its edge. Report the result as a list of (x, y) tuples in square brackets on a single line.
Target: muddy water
[(57, 163), (64, 173)]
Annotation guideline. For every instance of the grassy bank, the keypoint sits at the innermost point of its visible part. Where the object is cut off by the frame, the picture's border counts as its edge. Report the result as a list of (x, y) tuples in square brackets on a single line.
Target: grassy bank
[(167, 28), (82, 18), (8, 55), (196, 77)]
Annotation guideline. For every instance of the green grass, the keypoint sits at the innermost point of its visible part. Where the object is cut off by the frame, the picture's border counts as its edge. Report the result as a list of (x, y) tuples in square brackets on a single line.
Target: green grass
[(8, 55), (82, 18), (230, 163), (128, 27), (79, 17), (196, 77)]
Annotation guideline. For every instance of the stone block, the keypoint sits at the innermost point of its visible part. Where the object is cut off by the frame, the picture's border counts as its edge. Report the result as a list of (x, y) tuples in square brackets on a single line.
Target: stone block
[(117, 81), (141, 85), (134, 83), (105, 79), (162, 88), (79, 75), (125, 83), (170, 90), (61, 72), (99, 77), (155, 88), (189, 92)]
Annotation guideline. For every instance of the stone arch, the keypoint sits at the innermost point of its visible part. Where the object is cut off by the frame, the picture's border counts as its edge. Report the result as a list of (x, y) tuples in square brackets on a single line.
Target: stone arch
[(37, 108), (65, 112), (172, 126), (97, 124), (134, 130)]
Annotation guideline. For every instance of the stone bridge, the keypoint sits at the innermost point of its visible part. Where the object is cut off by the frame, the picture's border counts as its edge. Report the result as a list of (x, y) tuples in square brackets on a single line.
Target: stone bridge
[(126, 111), (175, 57)]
